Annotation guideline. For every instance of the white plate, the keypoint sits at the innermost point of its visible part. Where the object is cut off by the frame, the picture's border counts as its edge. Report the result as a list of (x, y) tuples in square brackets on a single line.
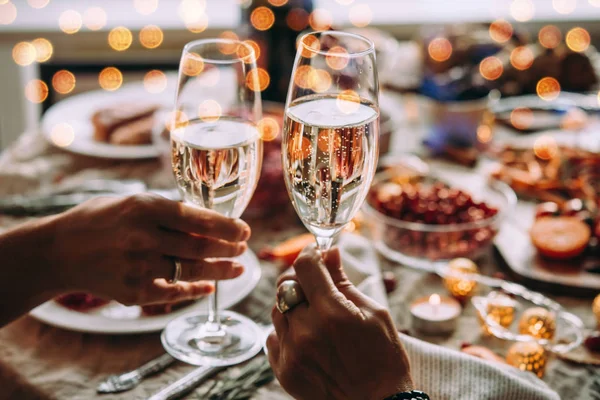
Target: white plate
[(78, 109), (116, 318)]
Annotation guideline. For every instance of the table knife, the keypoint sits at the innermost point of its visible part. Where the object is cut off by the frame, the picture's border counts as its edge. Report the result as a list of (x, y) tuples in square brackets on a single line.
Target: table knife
[(186, 384)]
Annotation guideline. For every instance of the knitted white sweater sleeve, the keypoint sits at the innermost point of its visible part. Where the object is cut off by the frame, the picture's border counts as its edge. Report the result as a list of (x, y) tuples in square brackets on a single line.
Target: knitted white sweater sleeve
[(446, 374)]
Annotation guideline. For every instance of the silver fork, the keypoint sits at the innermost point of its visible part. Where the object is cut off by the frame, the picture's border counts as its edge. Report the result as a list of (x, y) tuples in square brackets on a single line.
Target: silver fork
[(129, 380)]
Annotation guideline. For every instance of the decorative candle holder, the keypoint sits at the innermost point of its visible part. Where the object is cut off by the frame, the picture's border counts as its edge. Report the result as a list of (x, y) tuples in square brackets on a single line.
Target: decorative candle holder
[(538, 322), (528, 356), (500, 309), (459, 286), (435, 314), (596, 308)]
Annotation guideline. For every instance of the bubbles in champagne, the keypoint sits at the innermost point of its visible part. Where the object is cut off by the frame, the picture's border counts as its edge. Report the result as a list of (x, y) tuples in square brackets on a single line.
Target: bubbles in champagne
[(329, 158)]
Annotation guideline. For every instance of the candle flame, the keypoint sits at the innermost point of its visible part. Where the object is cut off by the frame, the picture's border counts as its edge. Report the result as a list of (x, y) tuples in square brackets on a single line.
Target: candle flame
[(435, 299)]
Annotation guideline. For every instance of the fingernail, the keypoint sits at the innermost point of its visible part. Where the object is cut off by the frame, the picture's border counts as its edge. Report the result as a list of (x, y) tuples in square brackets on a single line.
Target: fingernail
[(242, 247), (238, 269), (244, 228)]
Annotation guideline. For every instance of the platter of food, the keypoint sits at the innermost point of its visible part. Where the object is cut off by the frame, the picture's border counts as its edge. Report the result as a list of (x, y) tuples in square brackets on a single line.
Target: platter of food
[(553, 237), (118, 125), (82, 312)]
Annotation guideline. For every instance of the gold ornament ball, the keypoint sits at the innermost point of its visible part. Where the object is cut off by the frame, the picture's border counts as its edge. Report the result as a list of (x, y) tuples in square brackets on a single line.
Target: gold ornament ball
[(538, 322), (528, 356), (501, 309), (596, 308), (458, 287)]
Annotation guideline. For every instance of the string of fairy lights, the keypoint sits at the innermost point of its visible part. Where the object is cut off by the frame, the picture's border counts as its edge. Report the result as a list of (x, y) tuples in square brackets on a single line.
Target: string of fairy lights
[(195, 19)]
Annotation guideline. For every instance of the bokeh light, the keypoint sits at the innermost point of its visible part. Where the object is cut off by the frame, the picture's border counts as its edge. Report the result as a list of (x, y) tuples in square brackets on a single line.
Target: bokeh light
[(244, 53), (24, 53), (38, 3), (36, 91), (545, 147), (310, 46), (262, 18), (268, 129), (120, 38), (522, 10), (94, 18), (549, 36), (491, 68), (440, 49), (192, 64), (43, 49), (319, 80), (484, 134), (299, 147), (258, 79), (176, 119), (329, 141), (151, 36), (191, 11), (199, 25), (521, 58), (360, 15), (8, 13), (62, 135), (574, 119), (155, 81), (278, 3), (501, 30), (70, 22), (564, 6), (521, 118), (145, 7), (348, 101), (320, 19), (228, 48), (578, 39), (337, 58), (209, 111), (595, 3), (301, 76), (297, 19), (63, 81), (110, 79), (548, 88)]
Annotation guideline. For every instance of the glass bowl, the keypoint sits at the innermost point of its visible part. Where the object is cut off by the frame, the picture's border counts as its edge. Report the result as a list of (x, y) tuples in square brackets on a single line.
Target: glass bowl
[(418, 244)]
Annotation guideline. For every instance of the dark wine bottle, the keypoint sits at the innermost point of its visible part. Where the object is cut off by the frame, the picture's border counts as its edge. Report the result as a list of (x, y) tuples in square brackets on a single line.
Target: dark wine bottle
[(276, 38)]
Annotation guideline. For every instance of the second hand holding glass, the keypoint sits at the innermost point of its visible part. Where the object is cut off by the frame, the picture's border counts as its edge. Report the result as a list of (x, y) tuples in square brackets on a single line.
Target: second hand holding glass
[(330, 141)]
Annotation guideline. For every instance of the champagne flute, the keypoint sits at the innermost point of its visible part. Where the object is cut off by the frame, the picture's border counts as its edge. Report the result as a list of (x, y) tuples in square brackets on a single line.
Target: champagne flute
[(216, 154), (331, 130)]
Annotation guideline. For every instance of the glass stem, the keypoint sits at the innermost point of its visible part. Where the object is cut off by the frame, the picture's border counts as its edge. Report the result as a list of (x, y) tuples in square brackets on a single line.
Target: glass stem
[(213, 307), (324, 243)]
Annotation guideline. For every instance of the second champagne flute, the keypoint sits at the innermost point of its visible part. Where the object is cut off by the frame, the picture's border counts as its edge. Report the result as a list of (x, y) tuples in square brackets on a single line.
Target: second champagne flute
[(216, 153), (331, 130)]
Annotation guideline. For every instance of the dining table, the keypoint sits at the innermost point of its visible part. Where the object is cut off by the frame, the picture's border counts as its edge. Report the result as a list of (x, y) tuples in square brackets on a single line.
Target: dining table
[(39, 361)]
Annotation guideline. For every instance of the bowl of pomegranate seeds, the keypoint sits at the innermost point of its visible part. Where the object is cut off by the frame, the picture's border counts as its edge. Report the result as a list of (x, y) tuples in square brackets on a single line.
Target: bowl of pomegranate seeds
[(420, 218)]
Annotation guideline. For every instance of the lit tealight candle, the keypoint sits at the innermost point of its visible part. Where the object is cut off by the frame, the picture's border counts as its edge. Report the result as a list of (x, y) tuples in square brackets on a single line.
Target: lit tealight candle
[(435, 314)]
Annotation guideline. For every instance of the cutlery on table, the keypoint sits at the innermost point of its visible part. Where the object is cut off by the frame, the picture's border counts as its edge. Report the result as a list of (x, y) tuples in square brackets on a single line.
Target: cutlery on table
[(130, 379)]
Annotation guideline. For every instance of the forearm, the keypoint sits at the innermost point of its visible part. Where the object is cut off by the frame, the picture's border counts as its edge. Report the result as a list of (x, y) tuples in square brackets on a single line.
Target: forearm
[(26, 276)]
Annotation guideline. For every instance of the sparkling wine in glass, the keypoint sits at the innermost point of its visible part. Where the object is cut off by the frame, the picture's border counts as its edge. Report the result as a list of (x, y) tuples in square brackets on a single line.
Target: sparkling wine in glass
[(331, 130), (216, 154)]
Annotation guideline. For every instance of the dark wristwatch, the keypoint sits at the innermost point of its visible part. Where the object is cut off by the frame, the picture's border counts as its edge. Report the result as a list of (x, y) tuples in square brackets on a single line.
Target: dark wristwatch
[(412, 395)]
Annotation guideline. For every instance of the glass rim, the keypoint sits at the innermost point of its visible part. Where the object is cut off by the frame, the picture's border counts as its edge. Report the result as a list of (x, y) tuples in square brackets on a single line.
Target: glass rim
[(248, 58), (369, 50)]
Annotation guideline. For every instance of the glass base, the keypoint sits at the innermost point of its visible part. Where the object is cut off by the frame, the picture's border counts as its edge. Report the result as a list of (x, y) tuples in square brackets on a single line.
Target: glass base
[(189, 339)]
